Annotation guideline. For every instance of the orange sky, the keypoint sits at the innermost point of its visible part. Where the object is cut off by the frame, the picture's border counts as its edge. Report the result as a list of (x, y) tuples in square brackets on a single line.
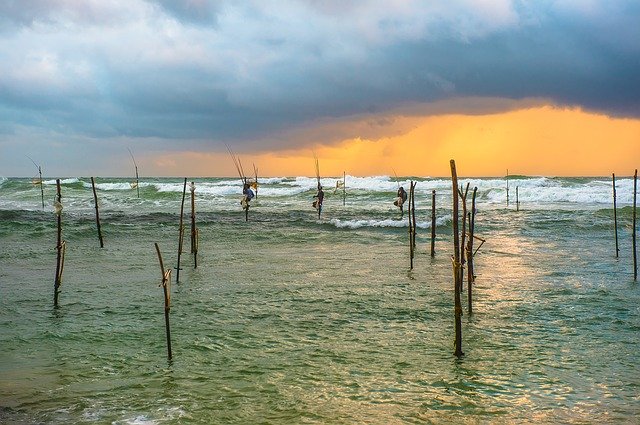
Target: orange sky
[(541, 140)]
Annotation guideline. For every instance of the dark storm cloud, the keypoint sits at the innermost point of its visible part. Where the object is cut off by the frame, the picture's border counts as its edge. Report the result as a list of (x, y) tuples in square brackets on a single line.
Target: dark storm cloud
[(212, 71)]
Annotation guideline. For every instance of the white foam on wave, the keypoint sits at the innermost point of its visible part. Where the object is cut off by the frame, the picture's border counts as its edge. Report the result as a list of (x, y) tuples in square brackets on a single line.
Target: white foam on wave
[(357, 224), (62, 181)]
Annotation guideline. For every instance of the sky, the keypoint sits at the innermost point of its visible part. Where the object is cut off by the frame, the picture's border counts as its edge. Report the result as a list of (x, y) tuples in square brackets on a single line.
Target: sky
[(538, 87)]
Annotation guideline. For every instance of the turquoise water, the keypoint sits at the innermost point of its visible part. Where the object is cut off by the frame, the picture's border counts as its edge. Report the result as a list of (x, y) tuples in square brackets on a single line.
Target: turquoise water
[(291, 319)]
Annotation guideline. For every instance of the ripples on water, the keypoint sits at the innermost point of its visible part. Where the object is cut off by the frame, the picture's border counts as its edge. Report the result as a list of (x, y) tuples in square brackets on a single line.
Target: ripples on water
[(293, 320)]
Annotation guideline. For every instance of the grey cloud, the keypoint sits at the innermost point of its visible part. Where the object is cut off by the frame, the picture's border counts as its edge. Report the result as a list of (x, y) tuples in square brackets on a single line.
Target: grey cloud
[(255, 73)]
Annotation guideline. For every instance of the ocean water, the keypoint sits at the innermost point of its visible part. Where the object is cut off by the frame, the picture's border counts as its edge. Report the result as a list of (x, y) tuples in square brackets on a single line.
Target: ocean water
[(293, 319)]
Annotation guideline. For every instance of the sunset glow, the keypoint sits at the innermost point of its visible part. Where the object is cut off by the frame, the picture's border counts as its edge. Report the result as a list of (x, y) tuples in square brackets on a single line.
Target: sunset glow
[(536, 141)]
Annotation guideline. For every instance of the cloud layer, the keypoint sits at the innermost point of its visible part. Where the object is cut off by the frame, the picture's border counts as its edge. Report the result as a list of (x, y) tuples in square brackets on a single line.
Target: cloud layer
[(204, 72)]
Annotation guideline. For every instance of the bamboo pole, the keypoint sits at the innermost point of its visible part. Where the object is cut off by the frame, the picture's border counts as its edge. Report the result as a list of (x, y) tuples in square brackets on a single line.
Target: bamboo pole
[(95, 201), (635, 256), (456, 263), (433, 223), (194, 230), (181, 233), (615, 214), (472, 225), (409, 211), (59, 246), (166, 289)]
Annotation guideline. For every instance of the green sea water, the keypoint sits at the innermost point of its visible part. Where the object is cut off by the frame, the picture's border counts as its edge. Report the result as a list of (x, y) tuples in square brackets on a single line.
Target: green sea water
[(292, 319)]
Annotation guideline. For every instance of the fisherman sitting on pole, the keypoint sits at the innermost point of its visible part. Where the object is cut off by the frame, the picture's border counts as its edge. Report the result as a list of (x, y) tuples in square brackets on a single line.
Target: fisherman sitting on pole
[(401, 199), (247, 195)]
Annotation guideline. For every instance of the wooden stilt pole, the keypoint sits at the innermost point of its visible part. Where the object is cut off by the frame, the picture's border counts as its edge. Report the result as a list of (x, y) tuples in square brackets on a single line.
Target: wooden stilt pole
[(59, 246), (95, 201), (409, 211), (166, 289), (463, 233), (507, 187), (433, 223), (194, 230), (517, 199), (615, 214), (470, 274), (635, 255), (41, 186), (181, 234), (413, 215), (456, 263)]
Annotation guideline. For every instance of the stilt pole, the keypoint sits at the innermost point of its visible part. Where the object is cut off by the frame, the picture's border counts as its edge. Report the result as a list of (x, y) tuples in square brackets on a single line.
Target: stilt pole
[(95, 201), (433, 223), (633, 227), (60, 246), (456, 263), (194, 230), (615, 214), (181, 232), (470, 274), (344, 188), (409, 211), (166, 289)]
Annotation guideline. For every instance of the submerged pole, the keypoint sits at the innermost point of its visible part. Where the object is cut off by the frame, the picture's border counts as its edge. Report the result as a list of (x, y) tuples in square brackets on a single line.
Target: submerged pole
[(456, 263), (633, 227), (95, 201), (166, 289), (615, 214), (433, 223), (517, 200), (194, 230), (181, 232)]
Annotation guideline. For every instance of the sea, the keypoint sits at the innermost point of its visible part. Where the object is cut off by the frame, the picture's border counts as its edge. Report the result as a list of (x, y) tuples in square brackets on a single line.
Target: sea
[(291, 318)]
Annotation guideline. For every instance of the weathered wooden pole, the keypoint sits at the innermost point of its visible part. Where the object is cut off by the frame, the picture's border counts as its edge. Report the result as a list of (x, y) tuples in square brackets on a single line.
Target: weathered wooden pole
[(456, 263), (166, 289), (413, 215), (507, 187), (517, 199), (470, 274), (194, 230), (463, 233), (41, 186), (95, 201), (181, 233), (344, 188), (60, 246), (433, 223), (409, 210), (633, 227), (615, 214)]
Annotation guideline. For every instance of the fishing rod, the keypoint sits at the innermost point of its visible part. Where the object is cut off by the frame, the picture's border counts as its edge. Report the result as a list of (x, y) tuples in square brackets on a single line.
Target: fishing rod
[(137, 177), (39, 180), (317, 163), (238, 165)]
